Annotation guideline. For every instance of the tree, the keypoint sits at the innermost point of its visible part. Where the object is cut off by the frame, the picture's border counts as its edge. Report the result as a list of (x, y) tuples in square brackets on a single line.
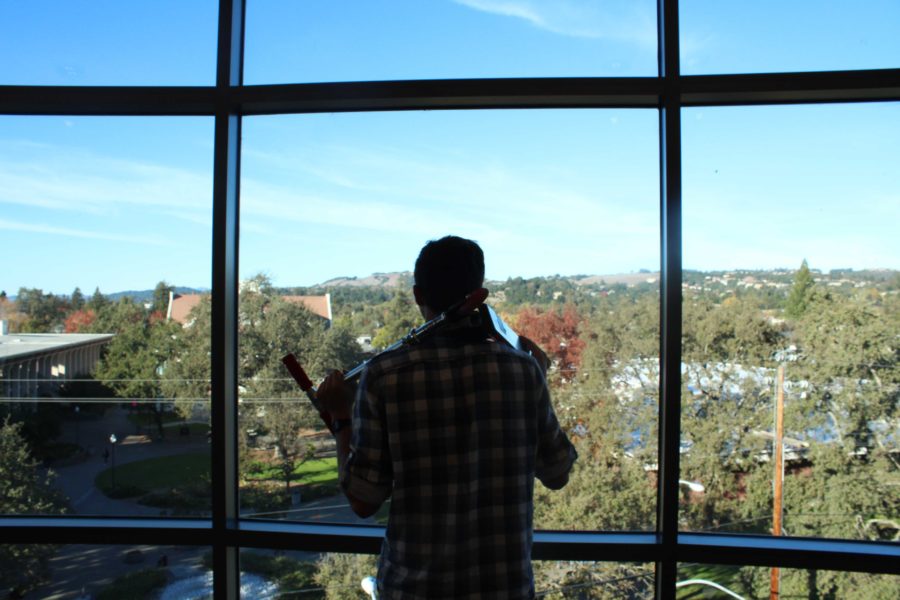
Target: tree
[(798, 299), (161, 297), (341, 574), (9, 311), (44, 311), (77, 299), (25, 488), (270, 328), (399, 316), (582, 580), (285, 421), (79, 321), (557, 333), (819, 584), (187, 370), (849, 360), (98, 301), (134, 359)]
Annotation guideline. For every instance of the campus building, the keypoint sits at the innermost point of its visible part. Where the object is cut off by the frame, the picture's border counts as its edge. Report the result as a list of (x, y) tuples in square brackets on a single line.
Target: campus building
[(33, 365)]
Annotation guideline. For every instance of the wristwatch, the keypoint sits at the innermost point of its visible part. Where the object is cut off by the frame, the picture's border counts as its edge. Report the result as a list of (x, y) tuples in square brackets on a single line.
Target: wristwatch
[(338, 424)]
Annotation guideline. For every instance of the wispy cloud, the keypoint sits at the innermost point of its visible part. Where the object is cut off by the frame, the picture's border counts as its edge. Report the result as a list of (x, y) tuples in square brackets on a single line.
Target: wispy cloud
[(81, 233), (617, 20), (533, 218), (388, 189), (80, 181)]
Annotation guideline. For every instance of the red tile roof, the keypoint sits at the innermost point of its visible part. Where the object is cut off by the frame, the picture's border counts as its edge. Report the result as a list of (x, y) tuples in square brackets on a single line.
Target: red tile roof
[(180, 307), (318, 305)]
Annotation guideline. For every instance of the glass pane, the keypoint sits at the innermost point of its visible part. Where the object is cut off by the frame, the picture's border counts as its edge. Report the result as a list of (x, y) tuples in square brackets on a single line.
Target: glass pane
[(281, 573), (291, 573), (558, 580), (801, 35), (728, 581), (103, 379), (565, 205), (106, 42), (101, 572), (792, 262), (406, 39)]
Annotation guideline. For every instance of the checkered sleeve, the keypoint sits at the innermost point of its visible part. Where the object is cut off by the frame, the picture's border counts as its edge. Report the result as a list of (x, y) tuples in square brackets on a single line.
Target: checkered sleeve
[(367, 474), (555, 453)]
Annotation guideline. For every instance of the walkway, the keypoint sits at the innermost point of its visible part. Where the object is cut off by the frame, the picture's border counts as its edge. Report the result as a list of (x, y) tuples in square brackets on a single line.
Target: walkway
[(77, 480), (80, 571)]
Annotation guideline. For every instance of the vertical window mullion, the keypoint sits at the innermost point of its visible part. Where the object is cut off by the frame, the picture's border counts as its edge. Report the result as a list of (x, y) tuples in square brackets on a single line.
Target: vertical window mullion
[(670, 298), (226, 186)]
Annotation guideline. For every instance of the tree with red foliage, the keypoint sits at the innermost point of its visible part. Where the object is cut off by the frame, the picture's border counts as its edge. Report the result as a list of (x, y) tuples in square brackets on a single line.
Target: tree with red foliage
[(80, 320), (556, 332)]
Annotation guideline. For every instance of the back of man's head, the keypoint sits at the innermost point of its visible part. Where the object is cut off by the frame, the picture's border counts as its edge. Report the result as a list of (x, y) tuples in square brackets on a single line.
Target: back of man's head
[(447, 270)]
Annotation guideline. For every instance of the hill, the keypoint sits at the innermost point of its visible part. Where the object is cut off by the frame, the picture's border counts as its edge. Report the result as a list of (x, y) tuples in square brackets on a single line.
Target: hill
[(147, 295), (402, 279)]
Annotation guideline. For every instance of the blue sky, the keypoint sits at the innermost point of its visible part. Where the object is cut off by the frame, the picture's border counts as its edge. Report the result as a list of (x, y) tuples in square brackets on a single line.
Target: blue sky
[(123, 202)]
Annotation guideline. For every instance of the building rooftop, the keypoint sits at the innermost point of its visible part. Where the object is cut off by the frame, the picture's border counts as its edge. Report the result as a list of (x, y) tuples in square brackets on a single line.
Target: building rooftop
[(318, 305), (180, 306), (21, 345)]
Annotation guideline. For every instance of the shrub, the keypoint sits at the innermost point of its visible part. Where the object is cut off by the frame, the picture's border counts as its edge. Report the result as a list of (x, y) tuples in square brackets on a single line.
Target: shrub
[(140, 584)]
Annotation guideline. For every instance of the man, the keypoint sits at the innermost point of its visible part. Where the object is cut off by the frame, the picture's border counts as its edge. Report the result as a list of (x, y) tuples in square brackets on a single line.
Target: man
[(454, 429)]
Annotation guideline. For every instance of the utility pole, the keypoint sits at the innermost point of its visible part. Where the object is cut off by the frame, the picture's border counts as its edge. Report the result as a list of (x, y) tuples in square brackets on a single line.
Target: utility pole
[(778, 452)]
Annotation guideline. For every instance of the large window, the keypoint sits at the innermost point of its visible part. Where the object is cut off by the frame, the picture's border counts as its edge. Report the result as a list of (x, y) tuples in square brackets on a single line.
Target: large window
[(101, 380), (542, 191), (710, 261)]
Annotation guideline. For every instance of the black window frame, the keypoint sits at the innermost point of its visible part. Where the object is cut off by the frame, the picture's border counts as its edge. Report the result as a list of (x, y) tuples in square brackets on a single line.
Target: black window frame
[(229, 100)]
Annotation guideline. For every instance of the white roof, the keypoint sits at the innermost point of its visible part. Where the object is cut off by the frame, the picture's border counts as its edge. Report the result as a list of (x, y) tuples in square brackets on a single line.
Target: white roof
[(22, 345)]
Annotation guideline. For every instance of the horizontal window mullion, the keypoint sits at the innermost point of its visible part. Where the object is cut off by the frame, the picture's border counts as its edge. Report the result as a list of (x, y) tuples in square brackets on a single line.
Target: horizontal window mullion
[(115, 101), (628, 92), (782, 88), (787, 552), (105, 530), (790, 552), (633, 92)]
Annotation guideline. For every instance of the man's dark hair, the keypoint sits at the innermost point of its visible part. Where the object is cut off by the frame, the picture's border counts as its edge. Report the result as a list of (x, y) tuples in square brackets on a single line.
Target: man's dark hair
[(447, 270)]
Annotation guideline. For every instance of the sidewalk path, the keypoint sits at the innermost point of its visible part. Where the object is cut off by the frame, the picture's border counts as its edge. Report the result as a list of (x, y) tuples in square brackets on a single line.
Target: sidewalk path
[(80, 571), (77, 481)]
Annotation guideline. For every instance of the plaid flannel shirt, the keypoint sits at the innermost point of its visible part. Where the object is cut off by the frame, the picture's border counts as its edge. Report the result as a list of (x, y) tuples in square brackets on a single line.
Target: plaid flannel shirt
[(455, 430)]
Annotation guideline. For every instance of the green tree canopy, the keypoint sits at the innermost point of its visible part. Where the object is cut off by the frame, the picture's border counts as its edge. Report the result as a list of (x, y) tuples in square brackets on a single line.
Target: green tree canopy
[(77, 300), (133, 362), (161, 297), (798, 299), (45, 312), (98, 301), (25, 488), (399, 316)]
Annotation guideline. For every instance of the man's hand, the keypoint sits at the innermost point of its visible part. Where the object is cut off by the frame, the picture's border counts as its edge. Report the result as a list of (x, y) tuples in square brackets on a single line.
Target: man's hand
[(336, 396), (536, 352)]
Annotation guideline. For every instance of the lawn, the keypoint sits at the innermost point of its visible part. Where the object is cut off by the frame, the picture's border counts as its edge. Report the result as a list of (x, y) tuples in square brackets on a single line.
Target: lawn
[(263, 488), (166, 472), (148, 418), (181, 483), (316, 470)]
